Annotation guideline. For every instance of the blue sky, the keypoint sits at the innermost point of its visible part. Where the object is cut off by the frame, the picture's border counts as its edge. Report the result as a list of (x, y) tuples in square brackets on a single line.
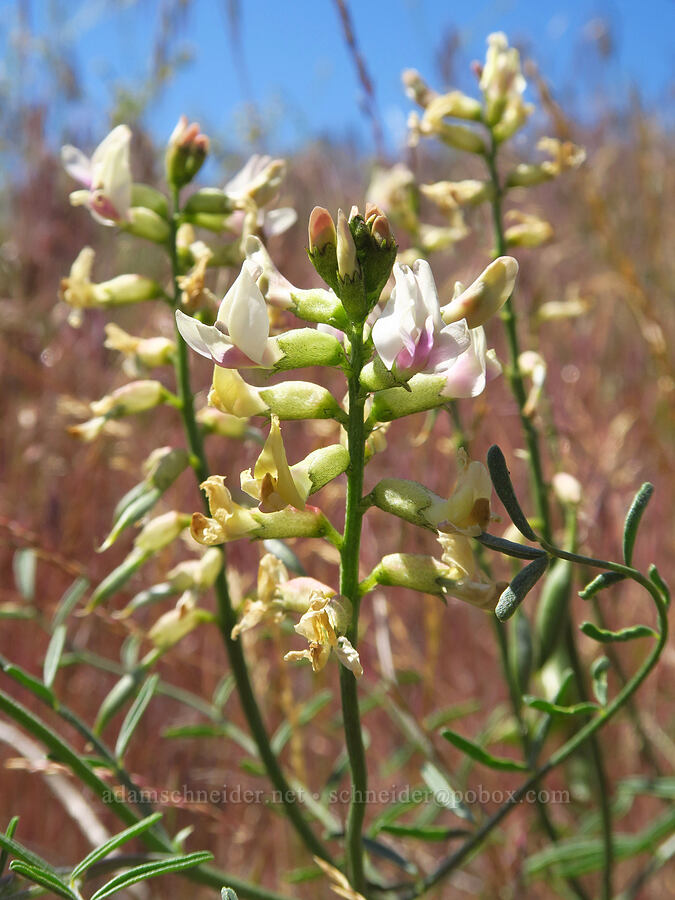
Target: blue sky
[(292, 63)]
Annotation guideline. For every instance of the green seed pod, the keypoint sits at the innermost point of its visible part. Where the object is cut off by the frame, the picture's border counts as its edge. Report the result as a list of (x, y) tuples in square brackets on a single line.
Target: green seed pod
[(553, 608), (599, 583)]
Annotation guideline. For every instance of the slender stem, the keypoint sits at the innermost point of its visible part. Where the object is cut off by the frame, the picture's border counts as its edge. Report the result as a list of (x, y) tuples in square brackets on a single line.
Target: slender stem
[(516, 704), (540, 491), (514, 374), (227, 616), (563, 753), (349, 587)]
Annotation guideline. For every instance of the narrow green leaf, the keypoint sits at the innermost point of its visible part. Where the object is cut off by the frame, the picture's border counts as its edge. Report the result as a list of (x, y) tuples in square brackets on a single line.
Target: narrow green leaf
[(599, 583), (69, 601), (223, 691), (303, 874), (131, 495), (285, 554), (654, 787), (116, 698), (112, 843), (224, 729), (449, 713), (315, 807), (133, 717), (33, 684), (44, 878), (307, 712), (633, 517), (425, 833), (151, 870), (376, 848), (521, 650), (501, 479), (479, 754), (599, 670), (140, 506), (444, 792), (554, 709), (154, 594), (604, 636), (24, 564), (519, 588), (509, 548), (11, 610), (53, 655), (655, 578), (9, 833), (543, 727), (117, 578), (14, 848), (552, 608)]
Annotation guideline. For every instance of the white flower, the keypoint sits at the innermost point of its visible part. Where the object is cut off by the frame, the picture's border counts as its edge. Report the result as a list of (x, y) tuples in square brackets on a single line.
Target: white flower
[(501, 77), (410, 334), (106, 176), (259, 182), (240, 336)]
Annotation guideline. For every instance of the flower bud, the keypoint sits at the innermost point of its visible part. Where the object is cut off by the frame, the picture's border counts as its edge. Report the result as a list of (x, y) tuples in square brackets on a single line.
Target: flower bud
[(164, 465), (185, 153), (214, 421), (416, 88), (135, 397), (448, 195), (567, 489), (150, 352), (347, 262), (513, 118), (321, 230), (408, 500), (161, 531), (145, 223), (529, 230), (485, 296), (177, 623), (125, 289), (455, 104)]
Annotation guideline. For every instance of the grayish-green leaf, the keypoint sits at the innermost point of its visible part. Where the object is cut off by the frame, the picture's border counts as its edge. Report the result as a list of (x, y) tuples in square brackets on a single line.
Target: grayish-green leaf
[(151, 870), (69, 601), (479, 754), (53, 655), (45, 878), (24, 564), (133, 717), (604, 636), (519, 588), (633, 517), (501, 479)]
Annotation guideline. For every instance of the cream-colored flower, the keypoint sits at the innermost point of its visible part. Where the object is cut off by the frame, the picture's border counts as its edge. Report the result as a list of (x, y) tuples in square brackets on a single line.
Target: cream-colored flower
[(323, 625), (178, 622), (272, 482), (467, 511), (106, 176), (465, 580), (229, 520), (272, 573), (527, 231), (150, 352)]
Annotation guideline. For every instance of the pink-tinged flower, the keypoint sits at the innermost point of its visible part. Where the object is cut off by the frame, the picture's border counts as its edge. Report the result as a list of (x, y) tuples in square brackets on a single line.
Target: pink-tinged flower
[(410, 335), (240, 337), (106, 177)]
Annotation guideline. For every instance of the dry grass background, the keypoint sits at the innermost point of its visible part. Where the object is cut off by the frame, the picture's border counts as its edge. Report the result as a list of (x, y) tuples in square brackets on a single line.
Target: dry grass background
[(607, 414)]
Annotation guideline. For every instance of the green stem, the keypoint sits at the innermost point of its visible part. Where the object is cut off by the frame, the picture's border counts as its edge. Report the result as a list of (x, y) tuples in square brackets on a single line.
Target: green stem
[(514, 374), (563, 753), (540, 491), (227, 616), (349, 587)]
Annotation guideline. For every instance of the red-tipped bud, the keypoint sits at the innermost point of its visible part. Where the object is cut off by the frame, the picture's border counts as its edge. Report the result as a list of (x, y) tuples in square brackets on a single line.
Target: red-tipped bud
[(321, 229)]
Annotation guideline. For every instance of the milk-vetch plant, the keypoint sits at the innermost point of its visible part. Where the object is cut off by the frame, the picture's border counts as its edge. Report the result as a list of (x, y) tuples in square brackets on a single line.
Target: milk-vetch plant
[(401, 349)]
